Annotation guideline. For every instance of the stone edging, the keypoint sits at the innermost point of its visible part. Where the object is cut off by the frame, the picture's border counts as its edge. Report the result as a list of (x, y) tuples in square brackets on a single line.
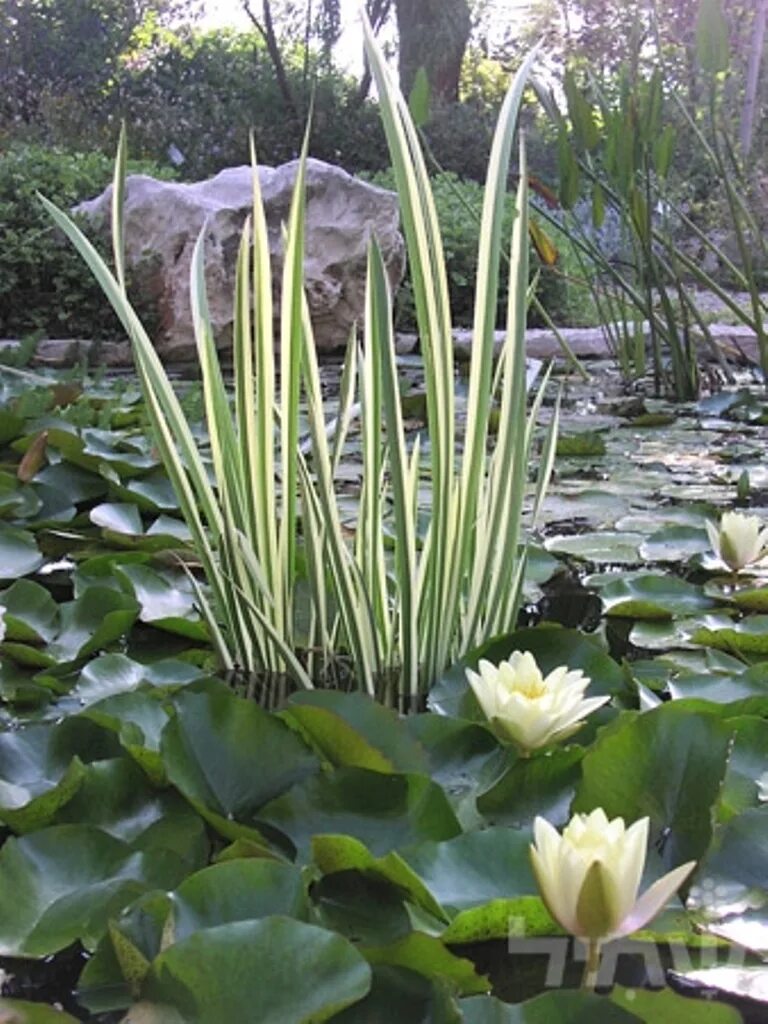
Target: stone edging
[(739, 342)]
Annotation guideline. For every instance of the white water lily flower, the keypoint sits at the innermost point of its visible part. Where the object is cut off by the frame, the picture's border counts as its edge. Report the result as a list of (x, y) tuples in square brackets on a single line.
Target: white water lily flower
[(3, 610), (741, 540), (589, 876), (762, 788), (528, 709)]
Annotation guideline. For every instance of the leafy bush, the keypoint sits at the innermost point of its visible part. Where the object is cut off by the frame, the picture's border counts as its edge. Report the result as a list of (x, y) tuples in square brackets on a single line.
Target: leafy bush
[(203, 93), (459, 203), (43, 284)]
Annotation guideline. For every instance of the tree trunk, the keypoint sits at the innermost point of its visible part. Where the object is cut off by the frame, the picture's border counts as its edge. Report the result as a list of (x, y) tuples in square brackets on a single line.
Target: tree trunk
[(433, 35), (747, 126), (267, 31)]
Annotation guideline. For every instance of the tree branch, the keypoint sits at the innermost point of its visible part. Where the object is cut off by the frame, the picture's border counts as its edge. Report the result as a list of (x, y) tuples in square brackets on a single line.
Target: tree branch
[(267, 32)]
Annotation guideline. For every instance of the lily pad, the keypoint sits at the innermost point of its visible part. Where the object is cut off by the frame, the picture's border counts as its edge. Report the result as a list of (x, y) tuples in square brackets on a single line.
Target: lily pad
[(31, 612), (475, 868), (605, 546), (247, 971), (678, 761), (652, 597), (674, 544), (229, 757), (63, 883), (19, 553), (352, 729), (747, 637), (385, 812), (35, 780)]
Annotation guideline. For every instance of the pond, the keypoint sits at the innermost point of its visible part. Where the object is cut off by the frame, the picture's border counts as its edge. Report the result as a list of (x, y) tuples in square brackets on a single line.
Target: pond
[(170, 844)]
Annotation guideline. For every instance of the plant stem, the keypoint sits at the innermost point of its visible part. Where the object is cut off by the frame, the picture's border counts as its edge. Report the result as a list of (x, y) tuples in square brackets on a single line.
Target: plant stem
[(592, 966)]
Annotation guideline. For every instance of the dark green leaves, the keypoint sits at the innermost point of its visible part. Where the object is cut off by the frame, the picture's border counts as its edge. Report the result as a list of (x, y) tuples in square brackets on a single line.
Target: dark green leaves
[(229, 757), (673, 764), (272, 971)]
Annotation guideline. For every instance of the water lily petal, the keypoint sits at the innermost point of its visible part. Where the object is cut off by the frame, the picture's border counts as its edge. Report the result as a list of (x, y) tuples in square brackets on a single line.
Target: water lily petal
[(597, 904), (654, 899)]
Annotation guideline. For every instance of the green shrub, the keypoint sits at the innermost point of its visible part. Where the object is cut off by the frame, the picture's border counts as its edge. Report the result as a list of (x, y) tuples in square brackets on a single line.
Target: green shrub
[(44, 286), (202, 94), (458, 205)]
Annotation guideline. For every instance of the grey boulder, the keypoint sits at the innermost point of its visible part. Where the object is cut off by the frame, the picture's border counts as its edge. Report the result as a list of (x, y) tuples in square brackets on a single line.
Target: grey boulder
[(163, 220)]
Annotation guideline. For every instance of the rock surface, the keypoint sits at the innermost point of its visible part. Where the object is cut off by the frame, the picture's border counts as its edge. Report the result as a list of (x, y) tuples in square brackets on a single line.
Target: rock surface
[(163, 220)]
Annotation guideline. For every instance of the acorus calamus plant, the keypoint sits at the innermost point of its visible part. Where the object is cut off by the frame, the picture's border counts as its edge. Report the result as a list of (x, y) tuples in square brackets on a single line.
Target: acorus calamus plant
[(285, 591)]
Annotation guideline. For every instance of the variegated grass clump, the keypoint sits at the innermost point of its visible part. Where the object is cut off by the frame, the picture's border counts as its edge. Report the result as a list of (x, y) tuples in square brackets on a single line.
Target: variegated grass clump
[(274, 556)]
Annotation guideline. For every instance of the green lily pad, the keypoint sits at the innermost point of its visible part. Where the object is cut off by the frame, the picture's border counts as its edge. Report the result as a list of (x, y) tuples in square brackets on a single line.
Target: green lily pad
[(160, 596), (117, 517), (678, 761), (352, 729), (541, 785), (91, 622), (35, 779), (343, 853), (652, 597), (747, 637), (63, 883), (237, 890), (18, 1011), (674, 544), (549, 1008), (384, 811), (247, 971), (524, 916), (116, 797), (398, 993), (580, 445), (31, 613), (426, 955), (19, 553), (724, 687), (747, 764), (605, 546), (229, 757), (475, 868), (750, 599)]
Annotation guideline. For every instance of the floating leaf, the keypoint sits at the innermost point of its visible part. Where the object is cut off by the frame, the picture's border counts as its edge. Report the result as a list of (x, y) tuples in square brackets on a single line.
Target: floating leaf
[(63, 883), (475, 868), (248, 971), (674, 544), (17, 1011), (19, 554), (385, 812), (652, 597), (676, 762), (118, 517), (228, 756), (747, 637), (605, 546), (524, 916), (35, 780), (31, 613), (343, 853), (426, 955), (355, 730)]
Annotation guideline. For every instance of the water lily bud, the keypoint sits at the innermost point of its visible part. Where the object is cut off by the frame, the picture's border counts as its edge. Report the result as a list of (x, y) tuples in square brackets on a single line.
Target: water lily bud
[(528, 709), (590, 875), (740, 540)]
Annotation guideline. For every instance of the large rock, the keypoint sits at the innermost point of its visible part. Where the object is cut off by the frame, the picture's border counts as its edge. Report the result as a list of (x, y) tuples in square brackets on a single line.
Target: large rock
[(163, 220)]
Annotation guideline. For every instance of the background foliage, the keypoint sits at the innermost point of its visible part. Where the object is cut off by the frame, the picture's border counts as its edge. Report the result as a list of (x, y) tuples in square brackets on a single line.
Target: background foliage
[(43, 284)]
